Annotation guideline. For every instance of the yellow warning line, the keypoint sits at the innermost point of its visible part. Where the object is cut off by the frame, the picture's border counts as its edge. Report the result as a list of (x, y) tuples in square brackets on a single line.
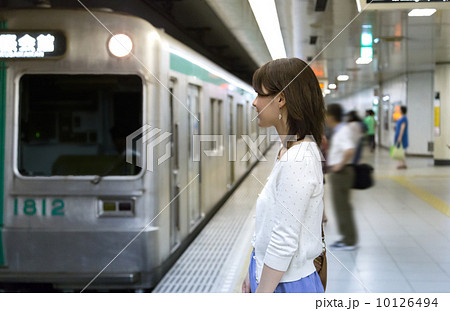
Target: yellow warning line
[(430, 176), (412, 176), (432, 200)]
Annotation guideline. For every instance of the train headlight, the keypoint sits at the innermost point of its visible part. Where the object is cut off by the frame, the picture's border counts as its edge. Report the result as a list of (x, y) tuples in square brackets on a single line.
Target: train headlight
[(120, 45)]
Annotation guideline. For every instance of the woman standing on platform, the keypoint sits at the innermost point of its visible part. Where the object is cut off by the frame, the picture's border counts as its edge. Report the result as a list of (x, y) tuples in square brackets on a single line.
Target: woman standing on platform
[(401, 135), (289, 209)]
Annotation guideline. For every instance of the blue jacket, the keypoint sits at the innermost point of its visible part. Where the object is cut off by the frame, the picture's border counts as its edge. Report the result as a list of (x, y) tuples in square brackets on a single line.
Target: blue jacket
[(400, 121)]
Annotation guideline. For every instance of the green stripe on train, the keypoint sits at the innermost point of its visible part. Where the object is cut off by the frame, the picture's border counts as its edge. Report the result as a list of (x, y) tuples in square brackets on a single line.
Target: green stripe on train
[(181, 65), (2, 146)]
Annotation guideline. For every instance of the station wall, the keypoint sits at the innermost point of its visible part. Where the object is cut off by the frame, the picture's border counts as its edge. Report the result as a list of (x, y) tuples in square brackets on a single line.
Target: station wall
[(413, 90)]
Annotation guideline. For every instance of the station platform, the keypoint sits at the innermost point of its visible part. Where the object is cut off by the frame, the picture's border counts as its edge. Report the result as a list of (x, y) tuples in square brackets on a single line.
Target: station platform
[(403, 224)]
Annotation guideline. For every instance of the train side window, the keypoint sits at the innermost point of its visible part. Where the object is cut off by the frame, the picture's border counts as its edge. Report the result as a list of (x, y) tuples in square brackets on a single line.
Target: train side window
[(240, 121), (252, 121), (244, 119), (77, 124), (216, 121), (219, 118), (231, 118), (212, 116)]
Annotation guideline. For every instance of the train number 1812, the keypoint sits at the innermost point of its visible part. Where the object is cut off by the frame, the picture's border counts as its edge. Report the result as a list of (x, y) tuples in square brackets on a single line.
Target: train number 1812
[(41, 207)]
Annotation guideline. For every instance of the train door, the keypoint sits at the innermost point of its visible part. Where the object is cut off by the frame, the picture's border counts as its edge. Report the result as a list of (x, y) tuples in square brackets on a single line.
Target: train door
[(174, 176), (193, 104), (232, 144)]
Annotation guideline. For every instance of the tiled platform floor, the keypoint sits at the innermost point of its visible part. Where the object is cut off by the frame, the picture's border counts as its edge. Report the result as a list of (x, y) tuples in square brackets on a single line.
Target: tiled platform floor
[(404, 243)]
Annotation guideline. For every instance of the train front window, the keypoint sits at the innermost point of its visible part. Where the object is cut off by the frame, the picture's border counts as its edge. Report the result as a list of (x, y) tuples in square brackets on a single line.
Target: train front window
[(77, 124)]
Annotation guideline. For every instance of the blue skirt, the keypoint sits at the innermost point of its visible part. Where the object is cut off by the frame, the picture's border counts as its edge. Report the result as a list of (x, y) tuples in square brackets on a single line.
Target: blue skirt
[(308, 284)]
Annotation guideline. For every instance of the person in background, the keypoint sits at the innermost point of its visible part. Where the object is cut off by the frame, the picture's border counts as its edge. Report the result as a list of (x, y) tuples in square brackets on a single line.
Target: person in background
[(401, 135), (371, 124), (357, 129), (340, 157)]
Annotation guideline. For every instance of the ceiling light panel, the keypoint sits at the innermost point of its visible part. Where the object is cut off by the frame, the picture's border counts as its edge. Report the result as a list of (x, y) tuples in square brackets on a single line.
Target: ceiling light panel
[(266, 15), (422, 12), (343, 78)]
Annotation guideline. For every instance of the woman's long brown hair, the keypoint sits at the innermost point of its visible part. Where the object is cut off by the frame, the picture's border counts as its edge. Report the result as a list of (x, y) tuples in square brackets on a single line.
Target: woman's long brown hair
[(302, 93)]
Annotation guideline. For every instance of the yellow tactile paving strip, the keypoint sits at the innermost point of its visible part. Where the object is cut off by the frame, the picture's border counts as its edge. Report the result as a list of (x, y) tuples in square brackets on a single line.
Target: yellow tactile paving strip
[(432, 200)]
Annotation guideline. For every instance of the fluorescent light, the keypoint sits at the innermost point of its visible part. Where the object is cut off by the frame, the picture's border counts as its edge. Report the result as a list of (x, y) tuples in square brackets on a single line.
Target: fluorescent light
[(120, 45), (366, 52), (358, 5), (266, 16), (363, 61), (343, 78), (422, 12), (386, 98), (366, 39), (332, 86)]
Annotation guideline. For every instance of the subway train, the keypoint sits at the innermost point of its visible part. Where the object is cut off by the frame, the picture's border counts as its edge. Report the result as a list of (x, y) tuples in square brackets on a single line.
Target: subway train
[(97, 142)]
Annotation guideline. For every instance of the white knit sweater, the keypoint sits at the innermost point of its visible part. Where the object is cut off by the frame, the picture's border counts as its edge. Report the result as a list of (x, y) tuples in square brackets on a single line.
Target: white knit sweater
[(289, 211)]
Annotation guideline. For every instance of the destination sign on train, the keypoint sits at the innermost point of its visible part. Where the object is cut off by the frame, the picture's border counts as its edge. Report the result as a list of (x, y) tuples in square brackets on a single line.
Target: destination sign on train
[(19, 44)]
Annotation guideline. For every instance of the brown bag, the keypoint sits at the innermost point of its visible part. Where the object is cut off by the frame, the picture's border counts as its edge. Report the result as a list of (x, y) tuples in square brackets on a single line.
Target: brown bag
[(321, 264)]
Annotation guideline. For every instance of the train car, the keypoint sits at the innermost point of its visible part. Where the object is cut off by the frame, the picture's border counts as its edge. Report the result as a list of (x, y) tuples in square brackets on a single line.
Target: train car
[(98, 147)]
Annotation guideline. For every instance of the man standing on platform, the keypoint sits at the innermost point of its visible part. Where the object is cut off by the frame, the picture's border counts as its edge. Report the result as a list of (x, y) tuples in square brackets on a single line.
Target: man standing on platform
[(340, 156)]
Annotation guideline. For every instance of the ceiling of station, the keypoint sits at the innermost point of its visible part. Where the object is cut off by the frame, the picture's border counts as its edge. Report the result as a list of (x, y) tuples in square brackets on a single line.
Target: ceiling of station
[(239, 19), (226, 32), (406, 44)]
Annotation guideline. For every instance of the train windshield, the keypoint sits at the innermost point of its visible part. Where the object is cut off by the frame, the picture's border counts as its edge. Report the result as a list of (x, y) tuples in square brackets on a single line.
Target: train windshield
[(77, 124)]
